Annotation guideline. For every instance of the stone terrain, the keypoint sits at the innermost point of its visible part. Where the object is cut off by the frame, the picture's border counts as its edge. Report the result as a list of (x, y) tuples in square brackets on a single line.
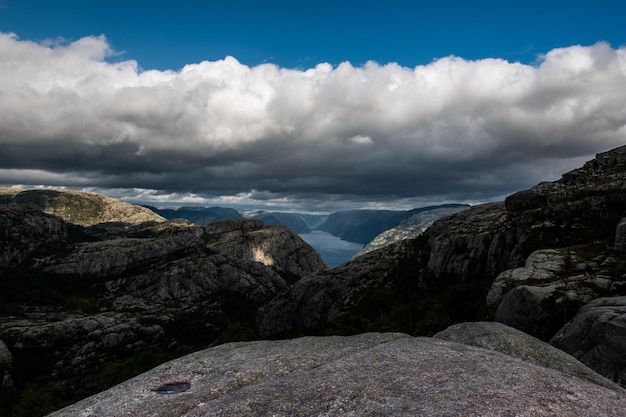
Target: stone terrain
[(597, 337), (370, 374), (78, 302), (510, 341)]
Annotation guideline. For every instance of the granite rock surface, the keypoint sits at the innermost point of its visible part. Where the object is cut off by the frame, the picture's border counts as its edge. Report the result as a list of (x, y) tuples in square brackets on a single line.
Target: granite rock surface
[(365, 375)]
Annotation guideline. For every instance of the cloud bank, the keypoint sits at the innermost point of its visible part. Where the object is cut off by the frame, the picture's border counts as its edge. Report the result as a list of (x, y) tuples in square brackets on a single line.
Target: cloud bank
[(71, 114)]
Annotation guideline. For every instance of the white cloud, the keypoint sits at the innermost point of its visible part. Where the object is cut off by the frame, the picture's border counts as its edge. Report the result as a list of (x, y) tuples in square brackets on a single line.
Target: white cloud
[(452, 127), (361, 140)]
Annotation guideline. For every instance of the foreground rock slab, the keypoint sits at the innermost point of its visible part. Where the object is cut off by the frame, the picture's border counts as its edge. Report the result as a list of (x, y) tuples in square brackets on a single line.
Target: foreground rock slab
[(365, 375)]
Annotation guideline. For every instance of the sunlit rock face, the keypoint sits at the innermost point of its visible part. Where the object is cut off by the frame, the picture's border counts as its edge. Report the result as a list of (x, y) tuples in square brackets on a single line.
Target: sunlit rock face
[(370, 374)]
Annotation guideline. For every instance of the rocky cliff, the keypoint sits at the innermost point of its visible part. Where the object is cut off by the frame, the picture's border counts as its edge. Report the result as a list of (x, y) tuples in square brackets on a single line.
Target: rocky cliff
[(371, 374), (531, 261), (84, 307), (441, 275)]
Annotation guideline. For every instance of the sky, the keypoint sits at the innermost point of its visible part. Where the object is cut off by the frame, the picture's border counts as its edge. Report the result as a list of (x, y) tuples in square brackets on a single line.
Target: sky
[(307, 106)]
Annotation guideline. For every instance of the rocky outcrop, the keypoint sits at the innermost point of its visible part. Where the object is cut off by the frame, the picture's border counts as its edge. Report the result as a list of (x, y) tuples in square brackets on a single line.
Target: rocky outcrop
[(77, 207), (510, 341), (73, 304), (597, 337), (25, 231), (585, 205), (543, 295), (67, 345), (472, 244), (323, 298), (366, 375), (539, 256)]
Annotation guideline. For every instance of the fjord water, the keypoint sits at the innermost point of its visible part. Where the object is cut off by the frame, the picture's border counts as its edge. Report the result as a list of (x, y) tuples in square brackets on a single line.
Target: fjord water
[(333, 250)]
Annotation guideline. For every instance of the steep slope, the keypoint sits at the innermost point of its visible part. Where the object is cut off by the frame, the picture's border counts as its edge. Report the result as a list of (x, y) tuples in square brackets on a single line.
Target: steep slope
[(80, 311), (366, 375), (80, 208)]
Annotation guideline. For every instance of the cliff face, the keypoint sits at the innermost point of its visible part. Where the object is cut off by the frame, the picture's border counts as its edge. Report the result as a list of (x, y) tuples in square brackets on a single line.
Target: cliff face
[(84, 307)]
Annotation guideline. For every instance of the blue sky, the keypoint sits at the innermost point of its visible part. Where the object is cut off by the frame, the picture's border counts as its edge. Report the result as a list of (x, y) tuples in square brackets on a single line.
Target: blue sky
[(307, 105), (168, 35)]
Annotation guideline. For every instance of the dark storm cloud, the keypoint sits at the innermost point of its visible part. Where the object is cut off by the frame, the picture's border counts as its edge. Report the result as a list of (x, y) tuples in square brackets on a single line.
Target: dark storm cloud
[(453, 129)]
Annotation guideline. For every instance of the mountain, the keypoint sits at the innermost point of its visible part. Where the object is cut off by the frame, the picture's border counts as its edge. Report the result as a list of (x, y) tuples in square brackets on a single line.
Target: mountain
[(532, 261), (78, 207), (362, 226), (198, 215), (293, 221), (85, 307), (493, 372), (411, 227)]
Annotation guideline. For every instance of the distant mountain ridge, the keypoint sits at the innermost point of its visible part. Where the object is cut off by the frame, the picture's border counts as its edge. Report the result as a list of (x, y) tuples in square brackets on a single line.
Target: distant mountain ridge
[(294, 221), (357, 226), (412, 226), (79, 207), (196, 214)]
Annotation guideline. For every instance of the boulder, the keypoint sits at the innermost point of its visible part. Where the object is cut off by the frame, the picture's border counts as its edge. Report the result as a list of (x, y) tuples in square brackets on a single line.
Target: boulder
[(597, 337), (510, 341), (548, 290), (365, 375)]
